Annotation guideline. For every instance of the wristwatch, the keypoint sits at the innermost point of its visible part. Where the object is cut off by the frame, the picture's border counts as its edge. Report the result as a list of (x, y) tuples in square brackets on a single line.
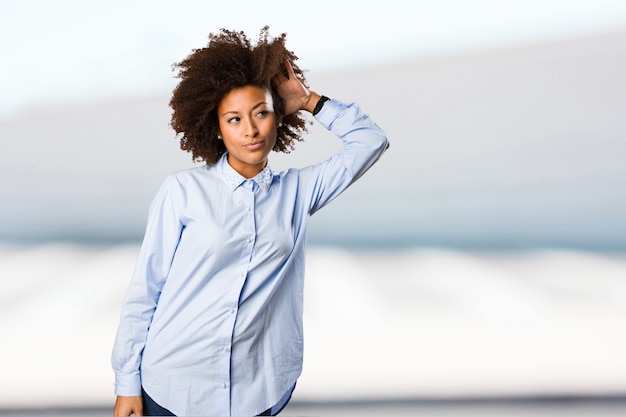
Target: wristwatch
[(320, 104)]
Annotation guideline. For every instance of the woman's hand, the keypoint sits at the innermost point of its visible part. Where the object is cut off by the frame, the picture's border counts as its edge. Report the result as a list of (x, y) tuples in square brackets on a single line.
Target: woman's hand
[(295, 95), (126, 406)]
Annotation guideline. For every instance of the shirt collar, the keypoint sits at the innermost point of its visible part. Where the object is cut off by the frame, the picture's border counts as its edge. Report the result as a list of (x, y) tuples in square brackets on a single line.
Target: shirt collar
[(233, 179)]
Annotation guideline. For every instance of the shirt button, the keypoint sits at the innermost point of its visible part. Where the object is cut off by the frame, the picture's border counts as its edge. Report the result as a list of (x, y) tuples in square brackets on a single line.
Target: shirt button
[(227, 348)]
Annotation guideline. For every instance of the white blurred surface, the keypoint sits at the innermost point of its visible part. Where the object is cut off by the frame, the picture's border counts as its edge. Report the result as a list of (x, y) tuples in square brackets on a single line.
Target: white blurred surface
[(400, 324)]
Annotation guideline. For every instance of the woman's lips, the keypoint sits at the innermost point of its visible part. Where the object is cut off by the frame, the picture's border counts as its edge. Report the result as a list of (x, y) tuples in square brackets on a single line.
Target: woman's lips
[(253, 146)]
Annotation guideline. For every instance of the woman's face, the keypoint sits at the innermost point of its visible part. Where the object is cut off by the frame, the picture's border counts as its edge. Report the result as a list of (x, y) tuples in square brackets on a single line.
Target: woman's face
[(248, 128)]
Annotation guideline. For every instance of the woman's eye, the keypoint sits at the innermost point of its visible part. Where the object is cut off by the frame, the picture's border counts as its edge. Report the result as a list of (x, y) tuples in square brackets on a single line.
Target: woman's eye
[(233, 119), (262, 113)]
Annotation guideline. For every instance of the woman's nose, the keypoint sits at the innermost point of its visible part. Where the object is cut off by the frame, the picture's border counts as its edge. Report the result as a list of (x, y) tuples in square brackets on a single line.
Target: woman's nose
[(251, 129)]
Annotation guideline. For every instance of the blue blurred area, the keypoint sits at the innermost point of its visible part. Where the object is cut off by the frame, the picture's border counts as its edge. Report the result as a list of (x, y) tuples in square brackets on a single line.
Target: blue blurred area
[(512, 148)]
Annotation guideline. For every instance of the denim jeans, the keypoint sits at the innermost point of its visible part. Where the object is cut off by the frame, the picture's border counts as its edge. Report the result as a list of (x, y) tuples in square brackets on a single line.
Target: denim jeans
[(151, 408)]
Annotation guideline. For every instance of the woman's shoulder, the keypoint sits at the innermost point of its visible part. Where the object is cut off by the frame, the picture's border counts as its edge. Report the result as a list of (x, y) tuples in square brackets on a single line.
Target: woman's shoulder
[(184, 177), (200, 170)]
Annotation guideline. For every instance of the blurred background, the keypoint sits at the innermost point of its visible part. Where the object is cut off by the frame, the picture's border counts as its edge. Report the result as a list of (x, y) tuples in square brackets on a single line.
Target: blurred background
[(480, 267)]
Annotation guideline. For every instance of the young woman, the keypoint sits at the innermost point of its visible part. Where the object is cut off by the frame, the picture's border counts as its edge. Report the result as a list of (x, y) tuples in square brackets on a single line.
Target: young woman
[(212, 322)]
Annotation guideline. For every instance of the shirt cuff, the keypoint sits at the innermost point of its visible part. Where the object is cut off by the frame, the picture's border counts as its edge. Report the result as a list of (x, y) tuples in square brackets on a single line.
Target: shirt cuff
[(329, 112), (128, 385)]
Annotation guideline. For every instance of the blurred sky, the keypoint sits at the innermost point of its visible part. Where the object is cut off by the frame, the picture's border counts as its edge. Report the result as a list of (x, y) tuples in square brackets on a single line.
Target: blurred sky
[(70, 50)]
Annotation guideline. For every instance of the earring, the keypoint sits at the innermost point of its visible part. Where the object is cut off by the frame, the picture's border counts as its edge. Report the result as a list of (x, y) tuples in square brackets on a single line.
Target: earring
[(280, 124), (219, 137)]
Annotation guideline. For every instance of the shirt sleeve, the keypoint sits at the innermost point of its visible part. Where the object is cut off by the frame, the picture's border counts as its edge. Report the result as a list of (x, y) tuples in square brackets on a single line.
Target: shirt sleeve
[(153, 264), (363, 144)]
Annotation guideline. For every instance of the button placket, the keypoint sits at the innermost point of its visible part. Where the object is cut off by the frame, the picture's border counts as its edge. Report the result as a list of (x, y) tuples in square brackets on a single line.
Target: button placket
[(249, 223)]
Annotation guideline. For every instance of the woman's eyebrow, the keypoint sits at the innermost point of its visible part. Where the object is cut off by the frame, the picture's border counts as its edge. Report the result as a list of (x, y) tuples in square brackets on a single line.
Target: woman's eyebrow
[(260, 104), (237, 112)]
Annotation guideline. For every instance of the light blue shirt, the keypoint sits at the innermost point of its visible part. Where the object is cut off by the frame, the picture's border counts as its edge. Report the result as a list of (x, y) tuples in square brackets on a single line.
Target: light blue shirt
[(212, 322)]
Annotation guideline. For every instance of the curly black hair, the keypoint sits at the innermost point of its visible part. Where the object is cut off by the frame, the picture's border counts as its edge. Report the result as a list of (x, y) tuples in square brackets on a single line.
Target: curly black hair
[(229, 61)]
